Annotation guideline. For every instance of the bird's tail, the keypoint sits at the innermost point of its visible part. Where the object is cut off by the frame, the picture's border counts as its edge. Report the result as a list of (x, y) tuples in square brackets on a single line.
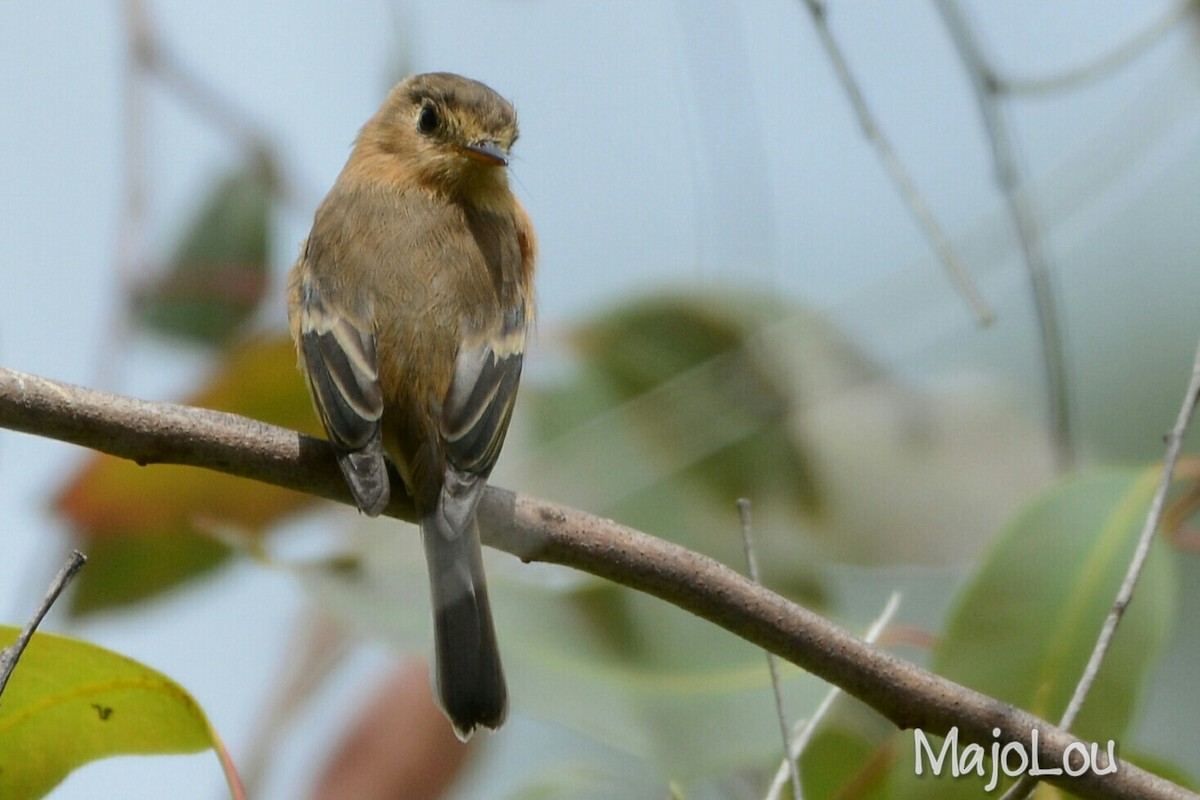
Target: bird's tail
[(469, 677)]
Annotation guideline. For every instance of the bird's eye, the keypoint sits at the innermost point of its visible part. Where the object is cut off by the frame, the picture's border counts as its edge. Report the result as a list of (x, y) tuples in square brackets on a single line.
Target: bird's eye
[(427, 120)]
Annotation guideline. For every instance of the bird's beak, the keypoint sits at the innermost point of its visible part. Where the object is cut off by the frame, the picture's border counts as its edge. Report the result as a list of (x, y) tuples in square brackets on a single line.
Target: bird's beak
[(487, 152)]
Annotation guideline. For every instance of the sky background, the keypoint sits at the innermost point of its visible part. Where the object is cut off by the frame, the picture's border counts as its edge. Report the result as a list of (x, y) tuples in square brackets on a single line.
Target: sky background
[(701, 144)]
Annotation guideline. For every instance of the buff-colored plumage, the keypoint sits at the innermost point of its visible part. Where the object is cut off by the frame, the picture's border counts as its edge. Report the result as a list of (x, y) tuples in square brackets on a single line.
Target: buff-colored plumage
[(409, 306)]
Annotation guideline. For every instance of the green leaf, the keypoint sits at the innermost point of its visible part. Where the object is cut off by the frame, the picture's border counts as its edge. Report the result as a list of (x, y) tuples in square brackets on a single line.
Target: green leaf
[(69, 703), (1027, 623), (840, 763), (127, 569), (1028, 620), (703, 394), (219, 271)]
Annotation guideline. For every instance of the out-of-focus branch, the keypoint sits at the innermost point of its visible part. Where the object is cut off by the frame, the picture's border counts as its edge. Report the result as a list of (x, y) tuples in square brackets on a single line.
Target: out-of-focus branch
[(538, 530), (895, 168), (806, 730), (1102, 65), (1020, 210)]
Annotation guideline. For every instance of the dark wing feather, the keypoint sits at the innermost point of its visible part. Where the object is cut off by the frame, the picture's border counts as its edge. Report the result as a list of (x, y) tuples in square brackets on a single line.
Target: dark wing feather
[(479, 406), (475, 419), (343, 378)]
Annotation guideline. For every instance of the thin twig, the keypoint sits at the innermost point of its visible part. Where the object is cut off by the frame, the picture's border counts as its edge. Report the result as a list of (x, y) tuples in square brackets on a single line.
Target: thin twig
[(129, 248), (540, 530), (1102, 65), (895, 168), (318, 645), (213, 107), (234, 121), (805, 731), (1137, 563), (155, 60), (873, 633), (1008, 177), (131, 222), (793, 768), (10, 655)]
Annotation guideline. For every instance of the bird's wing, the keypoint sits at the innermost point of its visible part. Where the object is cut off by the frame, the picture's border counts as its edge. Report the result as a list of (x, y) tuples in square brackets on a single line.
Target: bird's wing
[(342, 371), (476, 412)]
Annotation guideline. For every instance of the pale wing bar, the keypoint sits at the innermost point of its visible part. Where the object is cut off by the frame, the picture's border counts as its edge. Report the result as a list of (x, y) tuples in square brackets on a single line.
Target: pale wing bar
[(479, 405)]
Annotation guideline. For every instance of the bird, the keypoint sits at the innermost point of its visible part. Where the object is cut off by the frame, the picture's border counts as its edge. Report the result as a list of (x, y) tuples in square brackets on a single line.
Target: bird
[(409, 305)]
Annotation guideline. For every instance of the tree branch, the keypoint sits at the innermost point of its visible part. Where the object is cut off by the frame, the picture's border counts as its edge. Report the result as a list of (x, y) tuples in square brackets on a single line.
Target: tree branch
[(538, 530)]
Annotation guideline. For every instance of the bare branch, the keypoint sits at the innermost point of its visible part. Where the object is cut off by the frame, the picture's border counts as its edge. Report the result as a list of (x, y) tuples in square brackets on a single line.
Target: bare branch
[(911, 195), (1020, 210), (1136, 564), (538, 530), (806, 730), (789, 760), (10, 655), (1104, 64)]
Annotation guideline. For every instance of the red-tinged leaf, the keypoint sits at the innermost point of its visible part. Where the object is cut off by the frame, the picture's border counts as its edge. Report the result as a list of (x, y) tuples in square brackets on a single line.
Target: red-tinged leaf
[(164, 516), (399, 746), (218, 273)]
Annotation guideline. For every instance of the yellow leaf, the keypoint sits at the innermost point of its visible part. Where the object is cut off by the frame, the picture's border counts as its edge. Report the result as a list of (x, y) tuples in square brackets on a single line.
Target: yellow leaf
[(69, 703)]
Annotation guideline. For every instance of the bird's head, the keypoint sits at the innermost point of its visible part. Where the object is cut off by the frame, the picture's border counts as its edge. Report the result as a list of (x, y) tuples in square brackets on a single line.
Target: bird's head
[(448, 132)]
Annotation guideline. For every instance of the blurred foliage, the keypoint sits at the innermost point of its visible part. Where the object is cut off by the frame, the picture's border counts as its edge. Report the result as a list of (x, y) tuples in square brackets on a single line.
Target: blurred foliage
[(1025, 627), (147, 529), (679, 404), (840, 763), (1028, 618), (139, 565), (671, 409), (69, 703), (623, 668), (692, 382), (218, 273)]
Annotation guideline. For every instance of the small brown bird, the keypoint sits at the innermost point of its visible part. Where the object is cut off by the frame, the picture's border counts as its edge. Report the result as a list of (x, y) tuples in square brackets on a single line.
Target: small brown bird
[(409, 306)]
